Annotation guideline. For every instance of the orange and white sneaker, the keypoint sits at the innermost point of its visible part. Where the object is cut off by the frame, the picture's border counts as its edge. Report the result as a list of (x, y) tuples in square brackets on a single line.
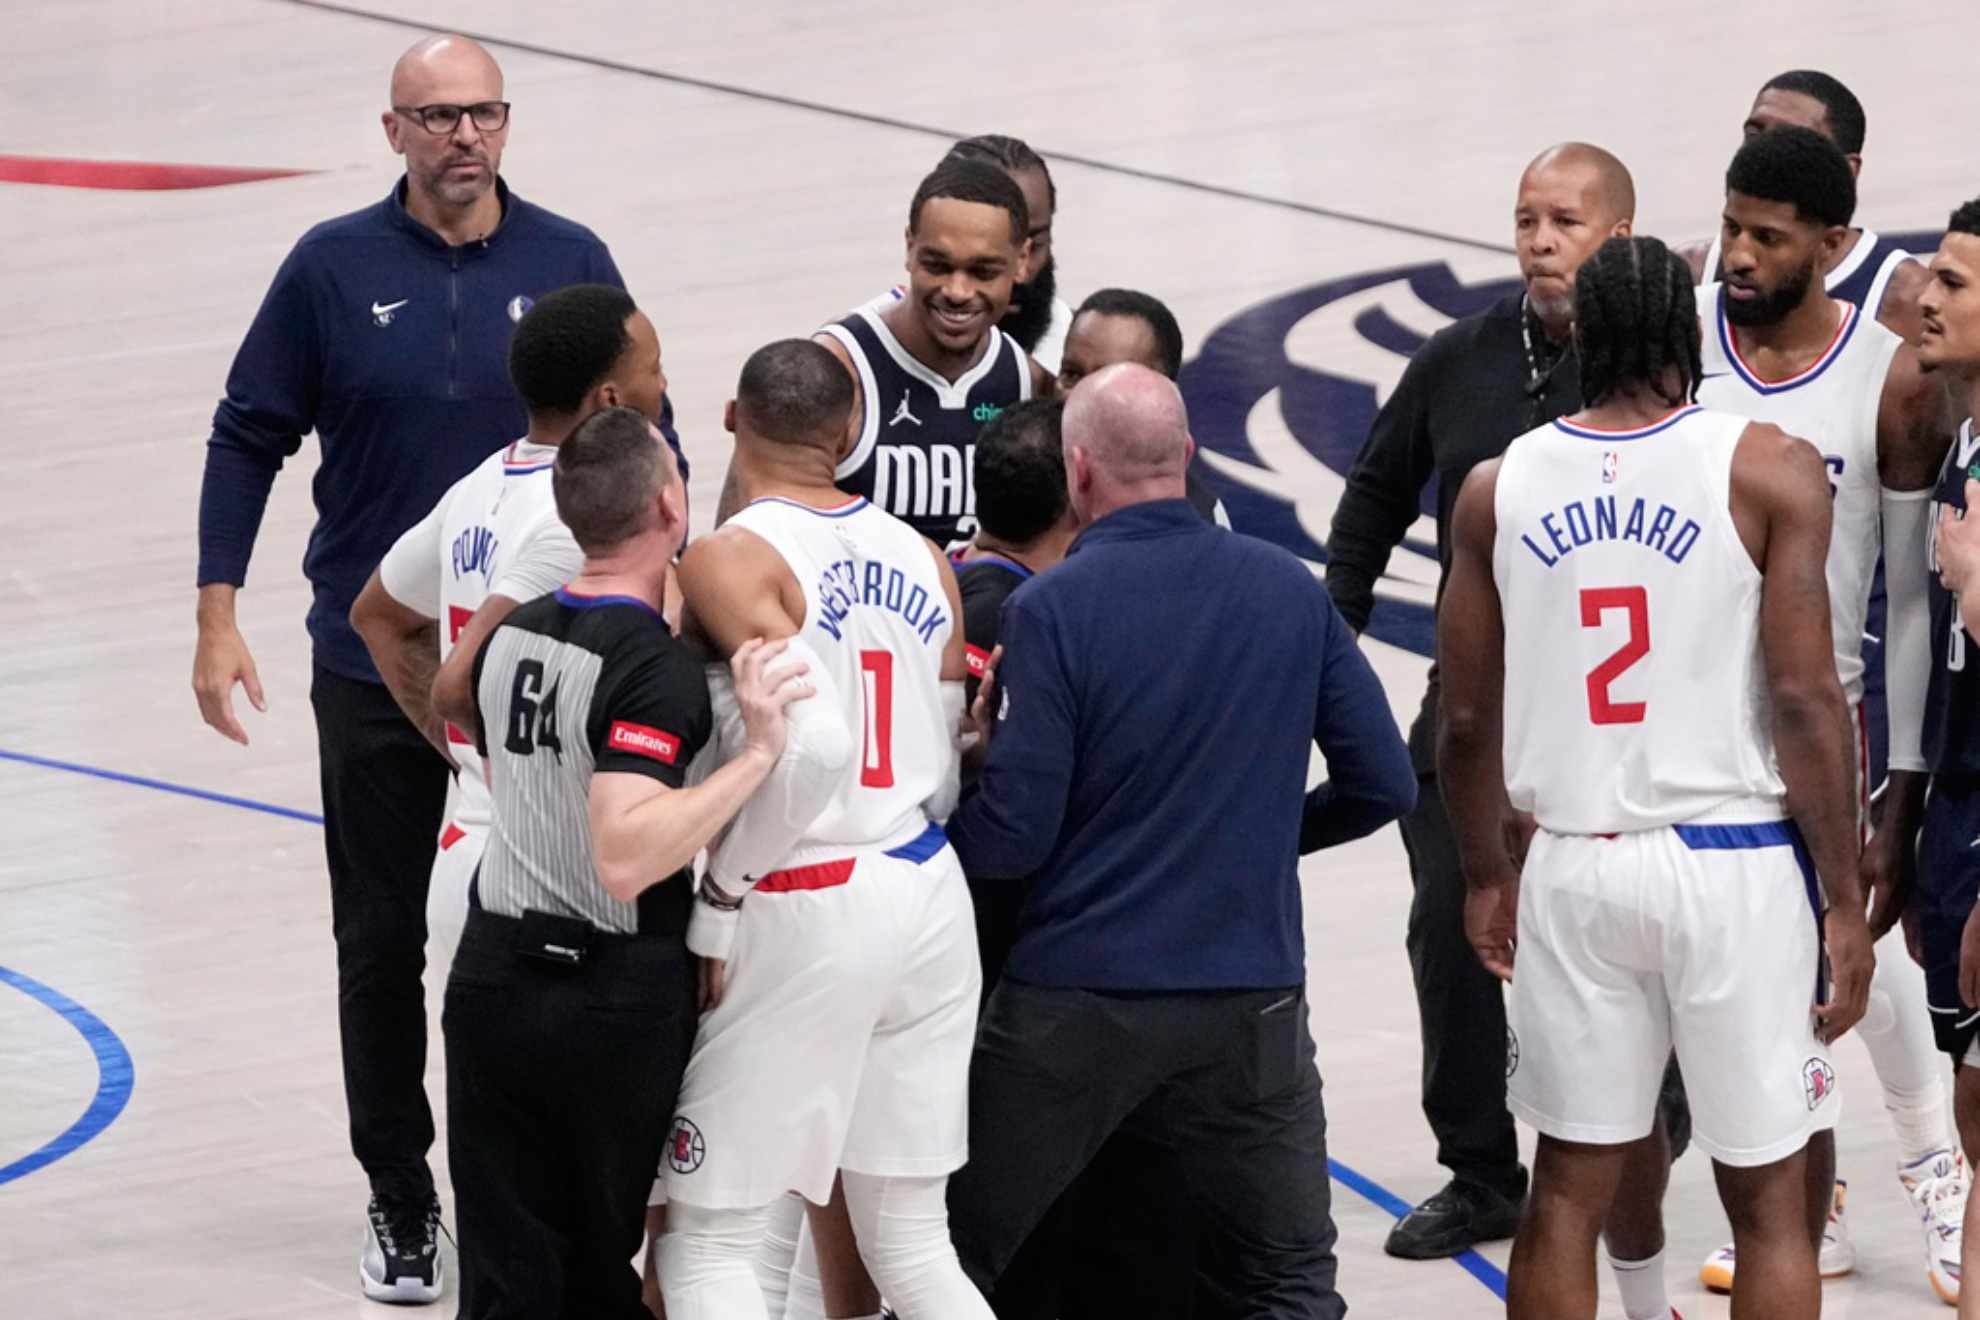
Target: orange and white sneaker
[(1838, 1252), (1937, 1186)]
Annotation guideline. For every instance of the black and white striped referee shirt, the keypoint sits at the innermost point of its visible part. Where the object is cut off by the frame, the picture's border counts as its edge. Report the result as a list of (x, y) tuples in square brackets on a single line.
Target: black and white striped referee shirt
[(568, 686)]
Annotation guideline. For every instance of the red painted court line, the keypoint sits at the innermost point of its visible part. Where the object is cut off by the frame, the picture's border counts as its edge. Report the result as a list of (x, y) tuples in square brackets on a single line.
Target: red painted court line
[(128, 175)]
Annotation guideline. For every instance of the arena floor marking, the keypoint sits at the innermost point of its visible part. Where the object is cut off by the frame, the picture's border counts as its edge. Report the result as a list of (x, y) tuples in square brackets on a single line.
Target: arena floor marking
[(906, 126), (115, 1076), (114, 1062), (119, 777), (129, 175)]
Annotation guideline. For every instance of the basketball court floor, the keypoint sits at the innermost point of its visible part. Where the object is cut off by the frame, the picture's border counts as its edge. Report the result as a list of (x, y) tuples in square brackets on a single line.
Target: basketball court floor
[(1312, 188)]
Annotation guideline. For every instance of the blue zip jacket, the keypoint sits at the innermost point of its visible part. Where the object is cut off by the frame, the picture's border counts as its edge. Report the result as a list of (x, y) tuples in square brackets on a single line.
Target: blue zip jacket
[(393, 347), (1162, 691)]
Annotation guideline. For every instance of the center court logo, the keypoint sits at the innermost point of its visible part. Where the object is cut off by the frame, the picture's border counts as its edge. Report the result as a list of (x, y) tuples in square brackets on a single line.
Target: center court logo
[(1282, 394), (1280, 400)]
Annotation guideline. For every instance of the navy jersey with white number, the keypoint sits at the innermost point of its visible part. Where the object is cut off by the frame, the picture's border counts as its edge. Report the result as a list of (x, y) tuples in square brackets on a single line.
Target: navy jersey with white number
[(1952, 701), (917, 441)]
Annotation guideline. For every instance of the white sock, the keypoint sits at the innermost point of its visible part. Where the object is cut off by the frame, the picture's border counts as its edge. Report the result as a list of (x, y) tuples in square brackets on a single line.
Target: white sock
[(1642, 1285), (1921, 1122), (806, 1296), (777, 1252)]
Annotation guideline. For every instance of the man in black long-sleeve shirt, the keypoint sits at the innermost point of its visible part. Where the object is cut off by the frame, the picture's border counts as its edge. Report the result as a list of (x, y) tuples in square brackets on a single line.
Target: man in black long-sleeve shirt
[(1474, 387)]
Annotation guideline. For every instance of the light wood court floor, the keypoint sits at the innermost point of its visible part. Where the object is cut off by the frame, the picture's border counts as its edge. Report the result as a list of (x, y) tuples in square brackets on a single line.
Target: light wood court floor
[(750, 166)]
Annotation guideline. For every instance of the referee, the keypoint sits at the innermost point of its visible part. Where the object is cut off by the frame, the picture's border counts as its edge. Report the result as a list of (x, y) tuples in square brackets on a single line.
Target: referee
[(571, 1005), (1465, 396), (386, 332)]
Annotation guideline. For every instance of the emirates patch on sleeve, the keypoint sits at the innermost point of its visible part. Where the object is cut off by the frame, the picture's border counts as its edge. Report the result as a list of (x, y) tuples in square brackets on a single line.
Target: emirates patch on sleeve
[(641, 740)]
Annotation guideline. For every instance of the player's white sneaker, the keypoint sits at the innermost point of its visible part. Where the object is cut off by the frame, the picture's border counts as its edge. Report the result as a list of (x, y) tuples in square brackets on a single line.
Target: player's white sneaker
[(1938, 1187), (401, 1260), (1838, 1252)]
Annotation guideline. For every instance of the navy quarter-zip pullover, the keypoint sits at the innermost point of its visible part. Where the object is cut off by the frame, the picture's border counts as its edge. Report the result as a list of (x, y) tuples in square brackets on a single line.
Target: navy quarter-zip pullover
[(1161, 692), (393, 347)]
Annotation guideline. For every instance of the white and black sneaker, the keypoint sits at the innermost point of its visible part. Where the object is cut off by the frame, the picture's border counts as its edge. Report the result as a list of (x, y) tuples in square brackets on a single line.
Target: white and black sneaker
[(401, 1258)]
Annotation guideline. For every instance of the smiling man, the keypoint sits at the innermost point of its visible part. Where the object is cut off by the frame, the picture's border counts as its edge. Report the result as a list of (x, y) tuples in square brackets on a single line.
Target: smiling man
[(931, 369), (386, 332)]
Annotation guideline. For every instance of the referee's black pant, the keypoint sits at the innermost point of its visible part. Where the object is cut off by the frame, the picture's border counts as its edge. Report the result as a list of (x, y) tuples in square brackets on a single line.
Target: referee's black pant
[(384, 791), (1225, 1083), (561, 1084)]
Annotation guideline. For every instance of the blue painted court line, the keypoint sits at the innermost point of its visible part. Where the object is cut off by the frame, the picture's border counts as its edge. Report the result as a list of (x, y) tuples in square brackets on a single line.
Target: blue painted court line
[(1470, 1261), (204, 795), (114, 1075)]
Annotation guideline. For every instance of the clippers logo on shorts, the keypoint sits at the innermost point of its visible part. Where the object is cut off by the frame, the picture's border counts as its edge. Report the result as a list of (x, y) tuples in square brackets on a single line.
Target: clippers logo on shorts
[(640, 740), (1818, 1081), (1512, 1051), (685, 1149)]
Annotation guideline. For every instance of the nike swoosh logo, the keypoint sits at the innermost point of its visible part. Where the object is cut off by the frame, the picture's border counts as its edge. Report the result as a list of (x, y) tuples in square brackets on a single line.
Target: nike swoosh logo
[(379, 309)]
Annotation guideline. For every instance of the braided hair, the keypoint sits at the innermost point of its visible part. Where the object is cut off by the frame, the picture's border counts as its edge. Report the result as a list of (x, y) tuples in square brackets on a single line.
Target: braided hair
[(1011, 155), (1635, 316)]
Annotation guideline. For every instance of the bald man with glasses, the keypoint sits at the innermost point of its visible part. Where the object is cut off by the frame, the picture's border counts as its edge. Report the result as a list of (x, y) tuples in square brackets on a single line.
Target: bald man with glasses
[(385, 332)]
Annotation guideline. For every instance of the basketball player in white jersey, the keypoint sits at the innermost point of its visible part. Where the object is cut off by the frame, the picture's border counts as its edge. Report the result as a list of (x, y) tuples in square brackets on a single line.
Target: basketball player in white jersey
[(495, 537), (1867, 269), (844, 975), (1635, 639), (1779, 348)]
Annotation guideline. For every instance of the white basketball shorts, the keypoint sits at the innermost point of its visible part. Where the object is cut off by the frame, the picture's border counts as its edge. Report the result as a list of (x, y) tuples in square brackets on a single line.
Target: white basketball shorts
[(454, 861), (843, 1036), (1702, 937)]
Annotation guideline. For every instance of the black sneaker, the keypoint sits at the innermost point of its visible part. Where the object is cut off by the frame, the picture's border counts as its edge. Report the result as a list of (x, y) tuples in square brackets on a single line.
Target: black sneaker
[(401, 1258), (1456, 1219)]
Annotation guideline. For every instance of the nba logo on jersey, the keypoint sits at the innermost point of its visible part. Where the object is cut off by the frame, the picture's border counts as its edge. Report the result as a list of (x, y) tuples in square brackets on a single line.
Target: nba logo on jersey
[(1818, 1080), (1608, 467)]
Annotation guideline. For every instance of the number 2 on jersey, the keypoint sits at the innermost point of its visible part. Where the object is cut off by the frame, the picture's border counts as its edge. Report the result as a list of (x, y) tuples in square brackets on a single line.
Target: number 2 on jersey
[(1595, 602), (876, 763)]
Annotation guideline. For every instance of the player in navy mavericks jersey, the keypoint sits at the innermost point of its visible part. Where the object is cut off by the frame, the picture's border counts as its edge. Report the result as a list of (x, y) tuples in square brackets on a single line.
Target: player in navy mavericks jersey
[(1949, 846), (931, 369)]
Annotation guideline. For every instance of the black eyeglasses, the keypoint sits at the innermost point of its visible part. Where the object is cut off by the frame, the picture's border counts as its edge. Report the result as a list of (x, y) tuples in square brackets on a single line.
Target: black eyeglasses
[(488, 116)]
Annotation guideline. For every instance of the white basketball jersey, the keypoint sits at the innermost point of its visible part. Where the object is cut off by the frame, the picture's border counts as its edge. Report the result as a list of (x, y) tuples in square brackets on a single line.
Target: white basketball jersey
[(875, 611), (1833, 405), (1634, 691), (472, 545)]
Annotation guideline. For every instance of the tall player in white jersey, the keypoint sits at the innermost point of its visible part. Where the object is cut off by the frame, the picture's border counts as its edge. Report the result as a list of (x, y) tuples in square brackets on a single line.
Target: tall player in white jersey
[(1778, 347), (1868, 269), (845, 977), (492, 542), (1636, 637)]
